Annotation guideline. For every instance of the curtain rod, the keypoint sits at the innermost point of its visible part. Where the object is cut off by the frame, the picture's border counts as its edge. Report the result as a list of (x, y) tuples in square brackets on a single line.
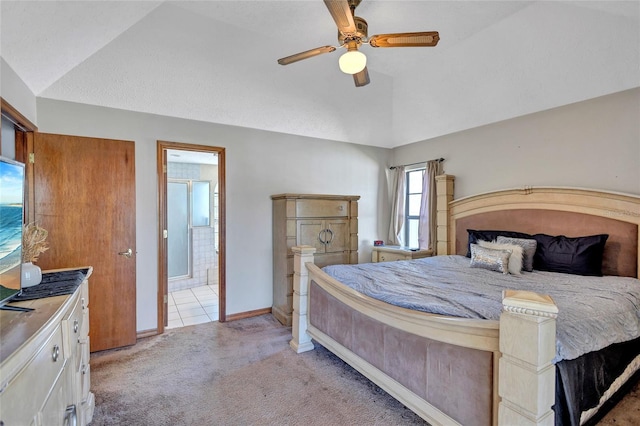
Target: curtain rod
[(439, 160)]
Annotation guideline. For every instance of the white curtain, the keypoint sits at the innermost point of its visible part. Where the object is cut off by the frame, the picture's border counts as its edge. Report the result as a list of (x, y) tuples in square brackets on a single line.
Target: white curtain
[(427, 226), (397, 207)]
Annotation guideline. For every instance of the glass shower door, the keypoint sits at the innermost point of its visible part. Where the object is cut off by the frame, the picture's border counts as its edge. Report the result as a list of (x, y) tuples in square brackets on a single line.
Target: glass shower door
[(178, 238)]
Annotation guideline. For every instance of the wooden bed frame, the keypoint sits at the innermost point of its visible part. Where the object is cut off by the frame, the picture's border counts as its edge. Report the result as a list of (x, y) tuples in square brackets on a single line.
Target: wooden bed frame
[(463, 371)]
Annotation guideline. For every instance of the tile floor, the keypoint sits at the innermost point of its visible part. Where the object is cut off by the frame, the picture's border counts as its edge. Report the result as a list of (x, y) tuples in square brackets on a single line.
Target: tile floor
[(193, 306)]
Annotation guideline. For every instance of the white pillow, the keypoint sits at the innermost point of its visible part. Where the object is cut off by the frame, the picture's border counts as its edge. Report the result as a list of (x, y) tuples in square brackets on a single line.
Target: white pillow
[(528, 248), (515, 259)]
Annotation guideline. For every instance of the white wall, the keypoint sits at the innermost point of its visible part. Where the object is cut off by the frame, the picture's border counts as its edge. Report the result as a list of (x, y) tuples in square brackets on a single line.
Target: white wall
[(16, 93), (258, 164), (591, 144)]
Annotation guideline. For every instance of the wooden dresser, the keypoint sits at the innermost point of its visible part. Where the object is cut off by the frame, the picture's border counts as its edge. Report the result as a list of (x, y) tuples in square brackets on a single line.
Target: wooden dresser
[(327, 222), (44, 361)]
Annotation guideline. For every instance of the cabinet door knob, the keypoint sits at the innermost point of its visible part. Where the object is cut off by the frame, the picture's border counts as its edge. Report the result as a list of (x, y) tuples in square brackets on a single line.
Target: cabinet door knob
[(55, 353)]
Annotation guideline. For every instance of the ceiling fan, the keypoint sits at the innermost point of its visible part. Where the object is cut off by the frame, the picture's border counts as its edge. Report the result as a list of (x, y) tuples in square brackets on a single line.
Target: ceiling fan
[(352, 33)]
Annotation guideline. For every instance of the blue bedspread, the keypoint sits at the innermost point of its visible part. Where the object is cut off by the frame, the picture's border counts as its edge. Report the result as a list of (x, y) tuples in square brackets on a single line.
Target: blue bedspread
[(595, 312)]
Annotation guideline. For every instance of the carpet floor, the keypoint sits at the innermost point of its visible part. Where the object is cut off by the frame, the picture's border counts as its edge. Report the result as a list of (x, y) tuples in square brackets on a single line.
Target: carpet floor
[(244, 373)]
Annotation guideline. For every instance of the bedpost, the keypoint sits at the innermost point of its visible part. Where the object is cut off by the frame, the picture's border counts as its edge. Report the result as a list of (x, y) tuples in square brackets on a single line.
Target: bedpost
[(301, 341), (528, 346), (444, 195)]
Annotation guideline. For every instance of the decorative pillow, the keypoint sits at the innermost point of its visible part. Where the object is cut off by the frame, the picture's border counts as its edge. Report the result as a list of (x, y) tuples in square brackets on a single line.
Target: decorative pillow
[(578, 256), (515, 259), (528, 247), (475, 235), (491, 259)]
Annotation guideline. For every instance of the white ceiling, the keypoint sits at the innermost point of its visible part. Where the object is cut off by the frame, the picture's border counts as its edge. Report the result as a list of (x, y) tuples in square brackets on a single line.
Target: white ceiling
[(215, 61)]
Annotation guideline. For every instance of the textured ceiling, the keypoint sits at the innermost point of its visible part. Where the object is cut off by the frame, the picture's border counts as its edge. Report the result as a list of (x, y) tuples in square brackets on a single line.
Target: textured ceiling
[(215, 61)]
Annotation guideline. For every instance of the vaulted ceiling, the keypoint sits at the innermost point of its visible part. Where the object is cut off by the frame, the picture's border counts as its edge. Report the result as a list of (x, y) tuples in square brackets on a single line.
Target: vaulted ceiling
[(215, 61)]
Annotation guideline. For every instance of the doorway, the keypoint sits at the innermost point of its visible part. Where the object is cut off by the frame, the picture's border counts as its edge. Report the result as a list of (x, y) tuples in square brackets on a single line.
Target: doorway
[(191, 256)]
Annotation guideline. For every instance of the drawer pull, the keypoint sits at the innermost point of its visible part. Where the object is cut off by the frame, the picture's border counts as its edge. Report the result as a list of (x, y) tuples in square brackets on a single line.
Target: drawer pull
[(330, 236), (324, 233), (70, 416), (55, 353), (76, 326)]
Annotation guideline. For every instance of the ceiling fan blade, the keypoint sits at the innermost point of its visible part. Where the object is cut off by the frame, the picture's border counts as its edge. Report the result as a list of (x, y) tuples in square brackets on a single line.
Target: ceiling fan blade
[(361, 78), (341, 14), (420, 39), (305, 55)]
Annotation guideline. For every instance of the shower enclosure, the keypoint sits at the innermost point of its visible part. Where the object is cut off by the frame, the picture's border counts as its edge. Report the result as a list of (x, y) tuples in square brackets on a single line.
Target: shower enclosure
[(192, 258)]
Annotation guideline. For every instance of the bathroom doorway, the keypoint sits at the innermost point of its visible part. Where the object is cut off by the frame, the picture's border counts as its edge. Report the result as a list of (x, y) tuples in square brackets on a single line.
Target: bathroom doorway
[(191, 259)]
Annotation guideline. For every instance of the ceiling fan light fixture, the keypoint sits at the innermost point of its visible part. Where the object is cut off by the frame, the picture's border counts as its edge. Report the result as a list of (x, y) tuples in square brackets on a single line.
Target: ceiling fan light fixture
[(353, 32), (352, 62)]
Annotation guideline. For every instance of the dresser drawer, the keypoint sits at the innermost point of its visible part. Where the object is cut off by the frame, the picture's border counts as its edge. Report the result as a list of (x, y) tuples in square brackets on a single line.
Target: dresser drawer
[(73, 328), (322, 208), (54, 411), (84, 294), (21, 399), (86, 381), (391, 257)]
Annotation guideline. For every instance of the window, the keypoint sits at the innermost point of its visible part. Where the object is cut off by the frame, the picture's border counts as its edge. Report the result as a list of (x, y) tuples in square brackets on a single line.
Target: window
[(412, 208)]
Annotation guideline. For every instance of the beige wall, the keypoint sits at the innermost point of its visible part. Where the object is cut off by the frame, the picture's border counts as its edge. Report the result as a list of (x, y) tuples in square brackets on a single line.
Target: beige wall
[(591, 144)]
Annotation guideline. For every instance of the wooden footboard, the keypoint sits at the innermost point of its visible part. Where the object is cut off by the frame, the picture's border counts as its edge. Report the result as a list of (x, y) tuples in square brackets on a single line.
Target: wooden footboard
[(447, 370)]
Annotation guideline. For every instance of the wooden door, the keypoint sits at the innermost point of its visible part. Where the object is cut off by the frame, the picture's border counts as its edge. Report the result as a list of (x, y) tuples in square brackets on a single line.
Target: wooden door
[(84, 195)]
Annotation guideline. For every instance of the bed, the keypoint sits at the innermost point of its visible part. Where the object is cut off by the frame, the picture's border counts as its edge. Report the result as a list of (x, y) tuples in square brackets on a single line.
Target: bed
[(464, 370)]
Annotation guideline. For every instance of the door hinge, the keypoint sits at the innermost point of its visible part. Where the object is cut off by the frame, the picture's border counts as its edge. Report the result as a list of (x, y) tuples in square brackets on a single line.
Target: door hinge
[(165, 234), (166, 299), (32, 158), (164, 168)]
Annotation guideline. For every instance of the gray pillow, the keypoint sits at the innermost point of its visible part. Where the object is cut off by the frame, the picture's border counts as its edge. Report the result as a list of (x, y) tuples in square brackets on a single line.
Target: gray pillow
[(516, 257), (491, 259), (528, 247)]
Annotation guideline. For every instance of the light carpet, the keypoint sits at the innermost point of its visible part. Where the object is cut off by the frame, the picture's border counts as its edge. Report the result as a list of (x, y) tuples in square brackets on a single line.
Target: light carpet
[(244, 373)]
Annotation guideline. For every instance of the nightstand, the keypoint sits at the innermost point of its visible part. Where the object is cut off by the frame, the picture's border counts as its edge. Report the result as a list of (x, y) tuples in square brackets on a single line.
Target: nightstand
[(392, 253)]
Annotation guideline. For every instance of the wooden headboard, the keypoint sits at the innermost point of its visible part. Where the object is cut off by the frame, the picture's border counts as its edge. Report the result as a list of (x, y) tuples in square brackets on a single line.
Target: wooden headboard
[(548, 210)]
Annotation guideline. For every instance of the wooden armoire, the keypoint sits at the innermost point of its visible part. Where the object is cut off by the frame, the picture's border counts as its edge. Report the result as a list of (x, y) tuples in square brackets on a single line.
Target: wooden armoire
[(327, 222)]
